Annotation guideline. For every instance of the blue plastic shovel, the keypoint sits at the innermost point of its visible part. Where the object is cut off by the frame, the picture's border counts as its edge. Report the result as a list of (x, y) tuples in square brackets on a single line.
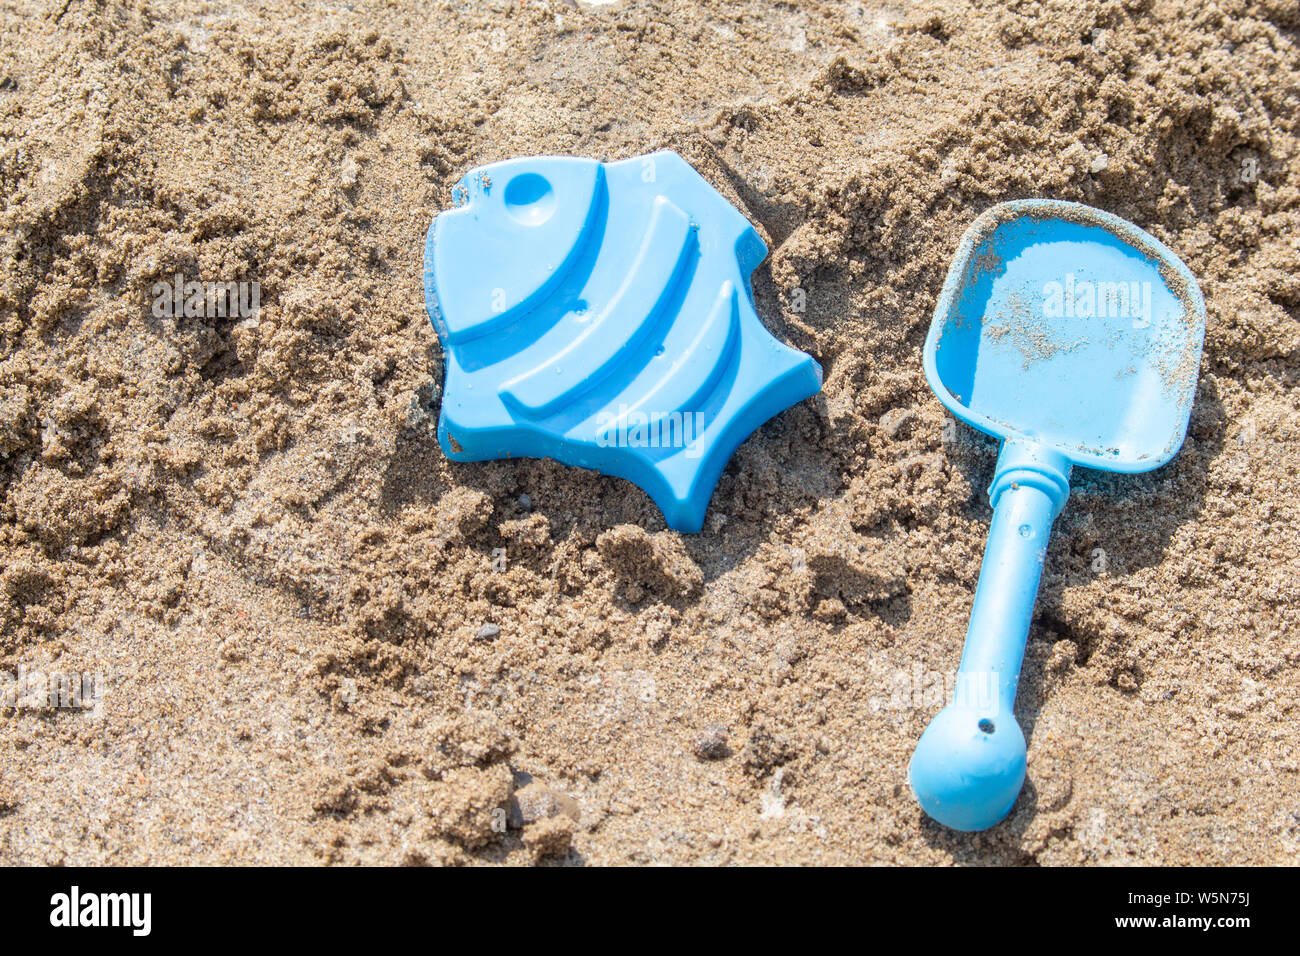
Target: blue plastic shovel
[(1075, 337)]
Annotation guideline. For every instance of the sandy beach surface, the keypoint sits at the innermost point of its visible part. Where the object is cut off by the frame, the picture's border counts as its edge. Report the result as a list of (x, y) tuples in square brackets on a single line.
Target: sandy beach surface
[(309, 638)]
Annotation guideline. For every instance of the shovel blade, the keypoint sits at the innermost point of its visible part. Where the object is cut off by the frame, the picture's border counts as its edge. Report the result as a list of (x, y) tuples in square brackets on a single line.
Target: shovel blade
[(1069, 327)]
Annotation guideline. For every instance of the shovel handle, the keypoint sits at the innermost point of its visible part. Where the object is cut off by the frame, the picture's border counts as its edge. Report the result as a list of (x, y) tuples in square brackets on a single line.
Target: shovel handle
[(970, 763)]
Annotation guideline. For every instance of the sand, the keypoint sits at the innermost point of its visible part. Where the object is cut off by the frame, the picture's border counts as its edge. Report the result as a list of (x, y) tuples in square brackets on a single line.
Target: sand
[(316, 640)]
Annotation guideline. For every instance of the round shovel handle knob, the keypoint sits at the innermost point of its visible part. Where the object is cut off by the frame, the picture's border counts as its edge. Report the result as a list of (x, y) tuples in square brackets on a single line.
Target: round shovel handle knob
[(968, 767)]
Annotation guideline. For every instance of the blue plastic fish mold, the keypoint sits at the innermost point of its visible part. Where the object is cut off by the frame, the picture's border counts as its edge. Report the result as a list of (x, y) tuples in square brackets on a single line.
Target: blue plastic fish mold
[(601, 314)]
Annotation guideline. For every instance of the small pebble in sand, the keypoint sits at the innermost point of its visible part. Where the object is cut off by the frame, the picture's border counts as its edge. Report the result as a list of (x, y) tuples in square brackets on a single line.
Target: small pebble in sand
[(348, 172), (711, 743), (536, 801), (1100, 163), (488, 632), (525, 502)]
